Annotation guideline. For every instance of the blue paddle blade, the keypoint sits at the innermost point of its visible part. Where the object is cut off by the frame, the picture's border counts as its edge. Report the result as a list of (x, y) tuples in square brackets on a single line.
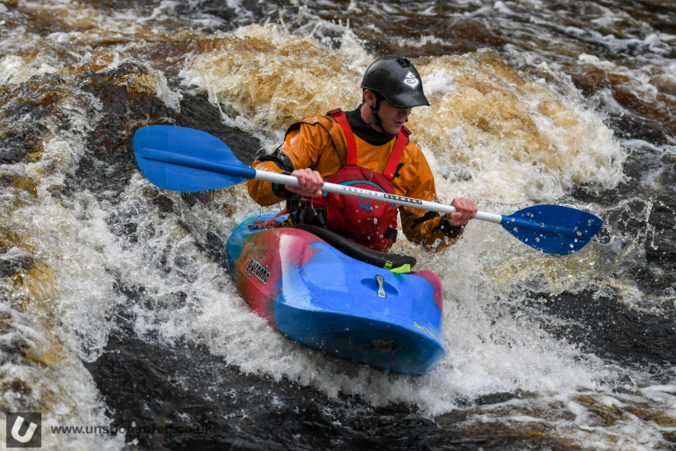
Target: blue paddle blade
[(553, 229), (184, 159)]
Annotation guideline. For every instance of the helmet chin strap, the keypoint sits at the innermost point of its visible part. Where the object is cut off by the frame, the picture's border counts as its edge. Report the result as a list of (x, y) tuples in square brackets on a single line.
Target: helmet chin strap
[(374, 113)]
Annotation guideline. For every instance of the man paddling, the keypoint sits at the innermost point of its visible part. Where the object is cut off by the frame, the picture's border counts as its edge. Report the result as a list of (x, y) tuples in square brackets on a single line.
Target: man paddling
[(366, 148)]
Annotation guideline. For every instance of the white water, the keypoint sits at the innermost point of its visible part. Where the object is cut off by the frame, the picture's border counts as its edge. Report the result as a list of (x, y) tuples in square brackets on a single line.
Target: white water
[(492, 134)]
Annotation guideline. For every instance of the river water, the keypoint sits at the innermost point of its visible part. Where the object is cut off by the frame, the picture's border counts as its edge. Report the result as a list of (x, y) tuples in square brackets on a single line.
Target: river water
[(118, 319)]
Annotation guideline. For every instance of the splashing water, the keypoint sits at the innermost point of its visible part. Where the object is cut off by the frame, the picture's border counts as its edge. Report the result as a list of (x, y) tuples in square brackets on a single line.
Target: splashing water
[(109, 282)]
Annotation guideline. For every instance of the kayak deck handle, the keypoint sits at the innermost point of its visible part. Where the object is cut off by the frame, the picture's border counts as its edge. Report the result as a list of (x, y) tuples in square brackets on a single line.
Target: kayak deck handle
[(381, 287)]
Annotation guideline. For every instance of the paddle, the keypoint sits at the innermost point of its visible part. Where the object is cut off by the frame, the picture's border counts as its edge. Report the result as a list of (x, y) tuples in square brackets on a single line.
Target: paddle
[(184, 159)]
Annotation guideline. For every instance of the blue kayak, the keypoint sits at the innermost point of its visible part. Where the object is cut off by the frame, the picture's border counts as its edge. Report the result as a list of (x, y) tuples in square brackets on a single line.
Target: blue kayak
[(324, 291)]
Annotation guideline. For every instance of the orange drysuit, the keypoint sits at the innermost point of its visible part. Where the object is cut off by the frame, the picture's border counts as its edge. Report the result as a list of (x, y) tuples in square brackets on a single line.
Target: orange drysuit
[(319, 143)]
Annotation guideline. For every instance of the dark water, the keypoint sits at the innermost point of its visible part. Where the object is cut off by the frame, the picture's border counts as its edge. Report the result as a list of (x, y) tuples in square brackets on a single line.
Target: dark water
[(117, 310)]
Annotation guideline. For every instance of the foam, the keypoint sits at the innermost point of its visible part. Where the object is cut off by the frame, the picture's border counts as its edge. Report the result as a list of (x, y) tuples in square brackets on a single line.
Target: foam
[(15, 70), (493, 133)]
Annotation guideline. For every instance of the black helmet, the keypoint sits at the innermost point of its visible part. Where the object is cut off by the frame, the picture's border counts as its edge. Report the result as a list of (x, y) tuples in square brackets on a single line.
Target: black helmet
[(395, 79)]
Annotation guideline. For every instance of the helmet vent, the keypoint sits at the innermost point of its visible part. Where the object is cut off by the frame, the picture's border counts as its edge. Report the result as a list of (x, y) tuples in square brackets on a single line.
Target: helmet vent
[(403, 62)]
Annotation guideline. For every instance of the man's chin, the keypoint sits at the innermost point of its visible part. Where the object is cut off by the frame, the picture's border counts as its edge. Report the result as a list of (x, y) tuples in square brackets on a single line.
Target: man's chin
[(394, 130)]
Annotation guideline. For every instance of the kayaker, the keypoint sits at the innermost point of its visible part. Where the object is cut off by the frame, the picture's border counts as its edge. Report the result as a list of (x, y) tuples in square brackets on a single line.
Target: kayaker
[(369, 148)]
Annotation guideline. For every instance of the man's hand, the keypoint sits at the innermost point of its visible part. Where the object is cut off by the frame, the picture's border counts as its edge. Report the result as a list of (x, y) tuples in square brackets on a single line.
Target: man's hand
[(310, 183), (465, 210)]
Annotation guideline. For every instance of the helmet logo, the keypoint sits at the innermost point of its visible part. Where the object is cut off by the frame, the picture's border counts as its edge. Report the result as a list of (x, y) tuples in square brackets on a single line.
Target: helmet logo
[(411, 79)]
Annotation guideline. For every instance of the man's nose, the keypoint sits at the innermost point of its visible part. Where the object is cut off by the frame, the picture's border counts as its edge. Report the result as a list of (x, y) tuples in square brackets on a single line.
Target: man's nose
[(404, 112)]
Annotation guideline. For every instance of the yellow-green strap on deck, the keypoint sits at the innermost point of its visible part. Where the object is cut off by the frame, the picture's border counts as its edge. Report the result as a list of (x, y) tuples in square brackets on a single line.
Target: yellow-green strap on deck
[(399, 270)]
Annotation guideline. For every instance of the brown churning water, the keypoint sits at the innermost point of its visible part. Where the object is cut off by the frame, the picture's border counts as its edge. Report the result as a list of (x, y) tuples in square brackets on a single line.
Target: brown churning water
[(116, 310)]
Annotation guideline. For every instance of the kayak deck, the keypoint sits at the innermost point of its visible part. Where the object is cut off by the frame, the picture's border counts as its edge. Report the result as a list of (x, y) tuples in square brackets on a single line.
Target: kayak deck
[(320, 297)]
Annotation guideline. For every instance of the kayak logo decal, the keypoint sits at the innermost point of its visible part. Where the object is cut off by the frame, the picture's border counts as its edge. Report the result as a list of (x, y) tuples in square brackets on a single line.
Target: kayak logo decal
[(381, 346), (259, 271), (411, 80)]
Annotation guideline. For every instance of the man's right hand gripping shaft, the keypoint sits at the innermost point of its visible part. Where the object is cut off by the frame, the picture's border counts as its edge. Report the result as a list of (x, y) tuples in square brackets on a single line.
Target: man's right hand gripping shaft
[(310, 183)]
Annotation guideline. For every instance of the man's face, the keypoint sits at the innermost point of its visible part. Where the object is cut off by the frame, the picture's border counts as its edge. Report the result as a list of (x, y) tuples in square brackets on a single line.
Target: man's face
[(393, 118)]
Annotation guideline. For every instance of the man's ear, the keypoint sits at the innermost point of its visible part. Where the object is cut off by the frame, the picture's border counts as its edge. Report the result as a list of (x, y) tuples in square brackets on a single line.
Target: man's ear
[(369, 97)]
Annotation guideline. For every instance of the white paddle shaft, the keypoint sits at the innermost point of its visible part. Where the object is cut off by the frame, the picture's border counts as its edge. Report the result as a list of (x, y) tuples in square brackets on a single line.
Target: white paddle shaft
[(284, 179)]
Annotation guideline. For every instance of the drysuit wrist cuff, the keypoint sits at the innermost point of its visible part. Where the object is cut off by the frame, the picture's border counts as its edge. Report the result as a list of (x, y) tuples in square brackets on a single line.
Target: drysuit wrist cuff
[(450, 230)]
